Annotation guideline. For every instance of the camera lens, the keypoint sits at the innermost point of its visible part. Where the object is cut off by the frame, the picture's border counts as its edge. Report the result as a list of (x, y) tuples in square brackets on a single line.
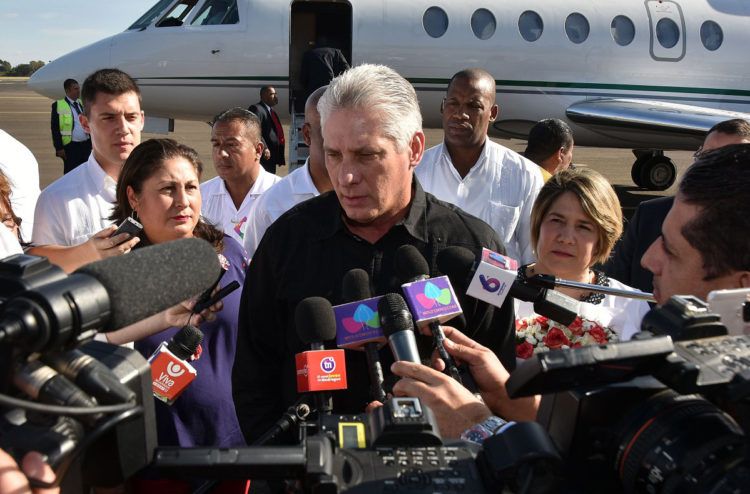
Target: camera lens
[(676, 443)]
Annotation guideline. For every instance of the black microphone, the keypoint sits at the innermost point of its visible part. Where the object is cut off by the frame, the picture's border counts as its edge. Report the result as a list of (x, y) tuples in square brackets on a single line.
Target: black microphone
[(91, 376), (411, 266), (108, 295), (356, 286), (460, 265), (316, 323), (395, 319)]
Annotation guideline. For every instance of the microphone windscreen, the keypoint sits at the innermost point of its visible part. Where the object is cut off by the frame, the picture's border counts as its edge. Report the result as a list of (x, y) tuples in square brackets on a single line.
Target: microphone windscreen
[(394, 314), (355, 285), (457, 263), (410, 264), (315, 321), (185, 342), (152, 279)]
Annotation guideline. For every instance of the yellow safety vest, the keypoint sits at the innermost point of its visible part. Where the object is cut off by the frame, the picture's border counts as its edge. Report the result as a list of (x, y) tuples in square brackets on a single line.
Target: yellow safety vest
[(65, 115)]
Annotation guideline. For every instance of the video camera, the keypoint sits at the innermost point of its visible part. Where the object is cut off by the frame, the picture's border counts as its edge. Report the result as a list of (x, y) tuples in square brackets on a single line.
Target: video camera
[(665, 412)]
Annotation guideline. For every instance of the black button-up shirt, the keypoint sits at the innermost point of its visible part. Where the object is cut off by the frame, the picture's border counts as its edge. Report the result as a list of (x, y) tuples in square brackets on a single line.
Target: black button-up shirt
[(307, 252)]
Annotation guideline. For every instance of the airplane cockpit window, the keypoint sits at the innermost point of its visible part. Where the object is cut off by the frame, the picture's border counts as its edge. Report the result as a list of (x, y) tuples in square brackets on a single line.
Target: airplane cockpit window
[(435, 21), (152, 13), (577, 28), (711, 35), (215, 12), (483, 23), (177, 14), (530, 25), (623, 30), (667, 32)]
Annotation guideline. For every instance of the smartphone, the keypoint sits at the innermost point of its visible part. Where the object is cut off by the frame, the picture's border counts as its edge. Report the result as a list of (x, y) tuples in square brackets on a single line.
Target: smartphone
[(733, 306), (130, 226), (201, 306), (206, 295)]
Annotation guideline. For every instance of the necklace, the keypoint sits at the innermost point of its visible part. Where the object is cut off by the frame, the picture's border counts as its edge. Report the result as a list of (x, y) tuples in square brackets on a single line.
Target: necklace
[(600, 279)]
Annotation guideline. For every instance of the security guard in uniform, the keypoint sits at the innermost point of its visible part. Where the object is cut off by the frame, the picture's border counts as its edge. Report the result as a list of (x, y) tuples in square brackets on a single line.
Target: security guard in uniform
[(72, 143)]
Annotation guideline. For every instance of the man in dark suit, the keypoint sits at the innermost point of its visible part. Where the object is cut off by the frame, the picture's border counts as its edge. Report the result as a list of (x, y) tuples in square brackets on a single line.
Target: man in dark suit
[(320, 64), (645, 226), (72, 143), (270, 129)]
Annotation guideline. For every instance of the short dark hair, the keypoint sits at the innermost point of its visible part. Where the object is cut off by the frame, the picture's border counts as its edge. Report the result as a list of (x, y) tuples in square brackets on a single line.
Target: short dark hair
[(718, 183), (68, 83), (546, 137), (109, 81), (264, 89), (736, 126), (145, 160), (248, 118)]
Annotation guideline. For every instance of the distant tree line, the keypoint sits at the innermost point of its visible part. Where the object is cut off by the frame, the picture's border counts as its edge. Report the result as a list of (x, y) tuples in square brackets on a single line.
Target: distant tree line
[(20, 70)]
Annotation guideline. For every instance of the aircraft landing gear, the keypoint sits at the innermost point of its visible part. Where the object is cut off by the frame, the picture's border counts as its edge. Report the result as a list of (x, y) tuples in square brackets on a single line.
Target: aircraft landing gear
[(652, 170)]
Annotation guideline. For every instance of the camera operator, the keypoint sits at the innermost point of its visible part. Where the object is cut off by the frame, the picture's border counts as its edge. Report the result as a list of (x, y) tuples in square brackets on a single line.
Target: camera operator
[(13, 480)]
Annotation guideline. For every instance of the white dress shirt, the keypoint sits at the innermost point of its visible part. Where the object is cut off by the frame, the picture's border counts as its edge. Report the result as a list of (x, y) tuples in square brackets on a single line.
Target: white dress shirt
[(22, 170), (78, 134), (500, 189), (75, 206), (218, 207), (290, 191)]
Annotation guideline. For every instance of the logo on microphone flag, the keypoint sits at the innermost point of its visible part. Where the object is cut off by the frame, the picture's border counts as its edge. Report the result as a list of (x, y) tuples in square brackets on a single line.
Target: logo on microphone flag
[(431, 300), (358, 323), (321, 370), (493, 278), (170, 376)]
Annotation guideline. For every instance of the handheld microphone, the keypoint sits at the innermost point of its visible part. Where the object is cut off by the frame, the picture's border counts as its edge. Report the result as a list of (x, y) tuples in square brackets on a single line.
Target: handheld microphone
[(492, 278), (398, 327), (550, 281), (431, 302), (170, 371), (318, 370), (91, 376), (107, 295), (358, 326)]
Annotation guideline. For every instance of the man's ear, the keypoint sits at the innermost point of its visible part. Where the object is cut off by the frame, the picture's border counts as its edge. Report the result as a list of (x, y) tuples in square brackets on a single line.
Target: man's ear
[(744, 279), (306, 133), (416, 148), (494, 112), (84, 123)]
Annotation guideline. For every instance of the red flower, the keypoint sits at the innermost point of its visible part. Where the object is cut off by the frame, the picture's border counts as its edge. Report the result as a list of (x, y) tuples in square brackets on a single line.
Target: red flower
[(521, 324), (598, 334), (576, 327), (556, 338), (524, 350)]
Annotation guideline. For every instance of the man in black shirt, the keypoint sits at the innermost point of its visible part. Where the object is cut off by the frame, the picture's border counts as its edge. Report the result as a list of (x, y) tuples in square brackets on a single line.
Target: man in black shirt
[(373, 140)]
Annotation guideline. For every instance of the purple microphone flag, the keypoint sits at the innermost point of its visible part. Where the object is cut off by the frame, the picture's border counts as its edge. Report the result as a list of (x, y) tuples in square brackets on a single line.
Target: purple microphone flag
[(431, 300), (358, 323)]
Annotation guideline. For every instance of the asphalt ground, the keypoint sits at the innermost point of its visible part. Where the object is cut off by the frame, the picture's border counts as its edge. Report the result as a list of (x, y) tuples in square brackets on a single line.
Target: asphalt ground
[(26, 116)]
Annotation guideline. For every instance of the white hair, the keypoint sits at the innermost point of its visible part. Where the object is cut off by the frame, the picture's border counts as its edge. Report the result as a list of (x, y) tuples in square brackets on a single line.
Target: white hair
[(376, 89)]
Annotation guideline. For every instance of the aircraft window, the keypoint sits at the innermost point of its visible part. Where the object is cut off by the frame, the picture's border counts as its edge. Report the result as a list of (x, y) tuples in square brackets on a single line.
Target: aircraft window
[(530, 25), (177, 15), (667, 32), (483, 24), (435, 21), (577, 28), (150, 15), (711, 35), (623, 30), (216, 12)]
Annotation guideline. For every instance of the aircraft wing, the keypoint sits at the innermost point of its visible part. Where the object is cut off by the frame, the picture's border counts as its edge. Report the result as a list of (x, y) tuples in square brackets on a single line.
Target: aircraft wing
[(652, 115)]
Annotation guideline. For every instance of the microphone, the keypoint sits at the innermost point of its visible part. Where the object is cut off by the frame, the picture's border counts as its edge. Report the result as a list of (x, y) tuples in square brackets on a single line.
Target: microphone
[(170, 372), (108, 295), (398, 327), (550, 281), (91, 376), (358, 326), (318, 370), (492, 278), (431, 302)]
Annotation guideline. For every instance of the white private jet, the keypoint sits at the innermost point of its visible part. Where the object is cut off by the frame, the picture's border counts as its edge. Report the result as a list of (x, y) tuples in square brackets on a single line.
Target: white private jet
[(646, 75)]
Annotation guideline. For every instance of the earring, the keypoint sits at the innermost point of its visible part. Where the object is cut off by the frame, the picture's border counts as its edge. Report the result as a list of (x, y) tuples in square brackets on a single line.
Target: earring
[(134, 215)]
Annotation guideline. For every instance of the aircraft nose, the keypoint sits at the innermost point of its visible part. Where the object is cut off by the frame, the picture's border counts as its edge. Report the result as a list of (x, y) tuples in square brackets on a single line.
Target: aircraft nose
[(78, 64)]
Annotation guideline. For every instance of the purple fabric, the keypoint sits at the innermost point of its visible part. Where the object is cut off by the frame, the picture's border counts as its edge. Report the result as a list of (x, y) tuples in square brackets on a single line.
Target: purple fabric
[(204, 414)]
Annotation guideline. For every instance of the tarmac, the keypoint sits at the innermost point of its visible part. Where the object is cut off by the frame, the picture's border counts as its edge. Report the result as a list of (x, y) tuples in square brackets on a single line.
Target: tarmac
[(26, 116)]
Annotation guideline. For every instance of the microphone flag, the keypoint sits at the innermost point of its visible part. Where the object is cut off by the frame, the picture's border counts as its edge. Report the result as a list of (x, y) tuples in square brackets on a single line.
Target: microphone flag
[(321, 370), (170, 376), (358, 323), (431, 300), (493, 278)]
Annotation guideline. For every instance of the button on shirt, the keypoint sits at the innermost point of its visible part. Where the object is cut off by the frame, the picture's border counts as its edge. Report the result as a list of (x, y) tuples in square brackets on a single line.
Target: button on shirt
[(218, 207), (290, 191), (75, 206), (500, 189)]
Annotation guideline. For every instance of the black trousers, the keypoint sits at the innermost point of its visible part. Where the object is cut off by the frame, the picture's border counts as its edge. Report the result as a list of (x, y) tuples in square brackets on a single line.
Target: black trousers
[(76, 153)]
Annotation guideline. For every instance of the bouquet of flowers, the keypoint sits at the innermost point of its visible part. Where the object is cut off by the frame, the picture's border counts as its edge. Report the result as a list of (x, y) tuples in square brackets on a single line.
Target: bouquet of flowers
[(539, 334)]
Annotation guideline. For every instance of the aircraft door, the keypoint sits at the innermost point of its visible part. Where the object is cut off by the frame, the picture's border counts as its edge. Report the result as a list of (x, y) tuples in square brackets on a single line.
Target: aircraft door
[(667, 30)]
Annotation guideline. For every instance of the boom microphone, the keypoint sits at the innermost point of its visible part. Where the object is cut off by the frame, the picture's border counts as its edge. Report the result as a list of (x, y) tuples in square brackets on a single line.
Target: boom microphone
[(398, 327), (109, 294)]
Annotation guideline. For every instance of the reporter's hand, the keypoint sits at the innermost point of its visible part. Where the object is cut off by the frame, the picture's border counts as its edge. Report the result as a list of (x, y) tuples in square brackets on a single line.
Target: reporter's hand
[(14, 480), (489, 374), (455, 408), (103, 245), (178, 315)]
